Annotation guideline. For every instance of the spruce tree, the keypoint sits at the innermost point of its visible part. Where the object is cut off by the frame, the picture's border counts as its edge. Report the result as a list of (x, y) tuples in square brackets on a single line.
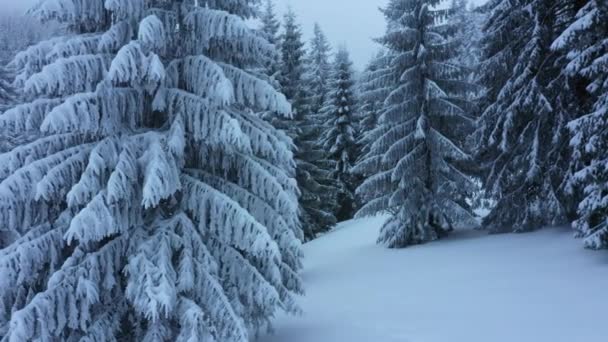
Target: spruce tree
[(585, 43), (270, 23), (270, 29), (374, 86), (318, 73), (372, 90), (316, 196), (153, 205), (292, 65), (417, 150), (468, 24), (523, 140), (339, 132), (317, 78)]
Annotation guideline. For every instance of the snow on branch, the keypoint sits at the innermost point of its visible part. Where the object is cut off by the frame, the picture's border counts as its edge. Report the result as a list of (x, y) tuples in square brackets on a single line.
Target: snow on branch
[(101, 160), (205, 26), (69, 76), (134, 67), (161, 175), (26, 154), (202, 120), (116, 37), (27, 116), (202, 77), (220, 215), (151, 33), (123, 9), (255, 93), (74, 46)]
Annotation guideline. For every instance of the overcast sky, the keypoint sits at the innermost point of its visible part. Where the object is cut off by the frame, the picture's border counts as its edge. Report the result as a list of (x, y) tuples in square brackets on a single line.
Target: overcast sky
[(15, 5), (350, 22)]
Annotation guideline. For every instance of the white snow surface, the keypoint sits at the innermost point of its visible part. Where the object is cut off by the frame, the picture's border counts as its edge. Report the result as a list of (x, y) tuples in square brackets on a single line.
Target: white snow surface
[(470, 287)]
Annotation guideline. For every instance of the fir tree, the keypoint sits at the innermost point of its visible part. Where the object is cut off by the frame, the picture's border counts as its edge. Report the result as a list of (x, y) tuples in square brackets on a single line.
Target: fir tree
[(319, 70), (339, 132), (317, 82), (585, 42), (374, 85), (417, 148), (316, 196), (270, 29), (154, 205), (372, 90), (468, 24), (292, 65), (523, 141), (270, 23)]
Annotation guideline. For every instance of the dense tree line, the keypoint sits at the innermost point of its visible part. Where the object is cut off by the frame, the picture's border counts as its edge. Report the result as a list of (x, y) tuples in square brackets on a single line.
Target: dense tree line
[(161, 162), (537, 105), (325, 123)]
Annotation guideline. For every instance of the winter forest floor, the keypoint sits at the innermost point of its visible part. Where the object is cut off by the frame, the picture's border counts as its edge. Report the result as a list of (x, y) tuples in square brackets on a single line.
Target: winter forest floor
[(470, 287)]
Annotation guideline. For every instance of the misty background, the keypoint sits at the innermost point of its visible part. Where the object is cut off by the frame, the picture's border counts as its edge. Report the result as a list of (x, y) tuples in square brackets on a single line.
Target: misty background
[(353, 23)]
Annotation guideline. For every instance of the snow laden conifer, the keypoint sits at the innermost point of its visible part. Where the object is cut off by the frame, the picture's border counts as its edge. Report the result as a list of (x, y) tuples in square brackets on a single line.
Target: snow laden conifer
[(7, 92), (270, 29), (316, 209), (154, 205), (468, 24), (339, 131), (317, 78), (523, 140), (374, 86), (417, 149), (319, 71), (292, 65), (586, 42), (270, 23)]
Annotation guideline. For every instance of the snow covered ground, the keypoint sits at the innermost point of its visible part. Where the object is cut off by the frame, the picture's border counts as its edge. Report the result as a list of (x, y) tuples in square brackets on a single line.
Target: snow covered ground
[(470, 287)]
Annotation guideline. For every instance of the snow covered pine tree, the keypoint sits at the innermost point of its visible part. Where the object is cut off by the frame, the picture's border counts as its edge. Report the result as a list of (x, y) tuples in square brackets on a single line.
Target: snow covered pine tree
[(372, 90), (270, 23), (318, 72), (270, 29), (374, 86), (522, 136), (317, 216), (587, 47), (469, 23), (317, 78), (155, 205), (339, 132), (416, 151)]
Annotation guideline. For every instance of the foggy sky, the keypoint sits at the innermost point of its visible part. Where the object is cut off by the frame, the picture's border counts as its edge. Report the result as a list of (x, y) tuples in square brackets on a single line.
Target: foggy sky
[(8, 6), (346, 22)]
